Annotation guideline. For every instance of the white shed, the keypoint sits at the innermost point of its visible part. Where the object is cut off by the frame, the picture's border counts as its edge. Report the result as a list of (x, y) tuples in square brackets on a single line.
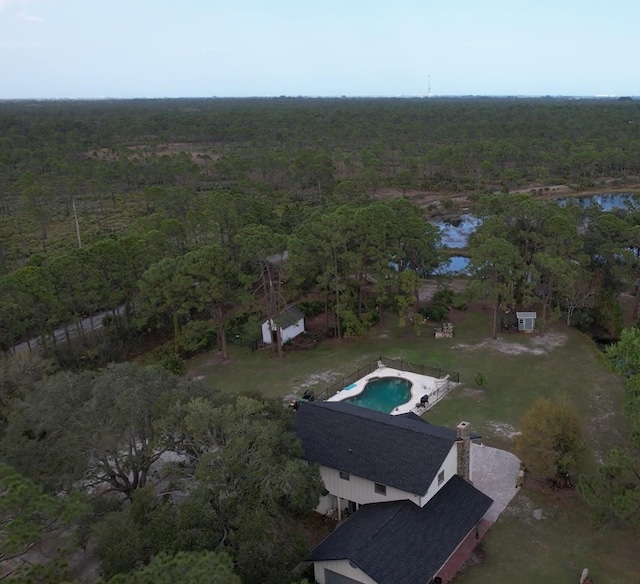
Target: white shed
[(526, 321), (291, 324)]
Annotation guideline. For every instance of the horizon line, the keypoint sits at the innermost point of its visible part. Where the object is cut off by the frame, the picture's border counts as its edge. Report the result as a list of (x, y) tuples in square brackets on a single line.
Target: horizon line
[(301, 96)]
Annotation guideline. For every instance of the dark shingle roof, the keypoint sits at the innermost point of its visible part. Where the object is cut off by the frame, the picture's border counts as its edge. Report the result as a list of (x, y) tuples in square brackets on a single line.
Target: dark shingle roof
[(401, 543), (399, 451), (288, 317)]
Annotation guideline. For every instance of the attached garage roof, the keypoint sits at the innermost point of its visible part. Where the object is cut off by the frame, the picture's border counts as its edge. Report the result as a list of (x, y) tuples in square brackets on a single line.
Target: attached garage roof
[(401, 543)]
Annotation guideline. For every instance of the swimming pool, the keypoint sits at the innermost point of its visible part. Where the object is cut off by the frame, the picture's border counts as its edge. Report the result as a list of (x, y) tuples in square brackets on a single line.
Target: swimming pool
[(383, 394)]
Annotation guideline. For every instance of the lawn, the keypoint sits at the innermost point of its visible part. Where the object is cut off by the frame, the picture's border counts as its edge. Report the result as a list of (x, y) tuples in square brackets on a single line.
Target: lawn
[(519, 369)]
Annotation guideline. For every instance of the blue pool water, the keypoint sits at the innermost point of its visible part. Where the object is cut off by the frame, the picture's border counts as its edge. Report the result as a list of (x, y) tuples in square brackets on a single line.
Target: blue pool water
[(383, 394)]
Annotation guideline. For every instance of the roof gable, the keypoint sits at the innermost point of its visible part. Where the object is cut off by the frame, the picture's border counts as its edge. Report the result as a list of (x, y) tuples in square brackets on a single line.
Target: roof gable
[(399, 451), (401, 543)]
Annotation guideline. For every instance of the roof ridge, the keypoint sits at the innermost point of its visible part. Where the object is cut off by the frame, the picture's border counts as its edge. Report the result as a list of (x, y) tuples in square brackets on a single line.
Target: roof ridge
[(409, 424)]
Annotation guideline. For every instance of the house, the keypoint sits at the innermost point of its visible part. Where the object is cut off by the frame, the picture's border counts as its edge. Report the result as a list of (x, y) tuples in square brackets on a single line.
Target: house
[(290, 322), (526, 321), (405, 485)]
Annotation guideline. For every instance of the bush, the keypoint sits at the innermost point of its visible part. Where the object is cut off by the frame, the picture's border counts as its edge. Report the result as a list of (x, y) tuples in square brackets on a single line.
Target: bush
[(197, 335), (167, 358), (459, 303), (450, 298), (480, 379), (436, 312), (444, 296)]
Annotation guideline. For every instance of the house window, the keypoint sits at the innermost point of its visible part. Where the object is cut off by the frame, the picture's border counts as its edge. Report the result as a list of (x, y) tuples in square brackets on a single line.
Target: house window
[(344, 475), (440, 477), (380, 489)]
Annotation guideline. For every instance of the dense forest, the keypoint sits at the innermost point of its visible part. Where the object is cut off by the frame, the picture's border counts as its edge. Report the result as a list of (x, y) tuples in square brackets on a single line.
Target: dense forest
[(93, 193), (172, 226)]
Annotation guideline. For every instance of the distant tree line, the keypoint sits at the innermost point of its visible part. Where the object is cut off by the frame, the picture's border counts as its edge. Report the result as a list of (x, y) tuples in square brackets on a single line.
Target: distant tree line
[(290, 155)]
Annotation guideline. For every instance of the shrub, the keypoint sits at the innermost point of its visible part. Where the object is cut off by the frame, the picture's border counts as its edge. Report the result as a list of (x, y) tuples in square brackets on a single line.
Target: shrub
[(444, 296), (197, 335), (459, 303), (437, 312), (480, 379), (166, 357)]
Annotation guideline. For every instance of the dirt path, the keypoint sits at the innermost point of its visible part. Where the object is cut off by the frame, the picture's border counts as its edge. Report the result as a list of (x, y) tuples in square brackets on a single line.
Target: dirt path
[(463, 199)]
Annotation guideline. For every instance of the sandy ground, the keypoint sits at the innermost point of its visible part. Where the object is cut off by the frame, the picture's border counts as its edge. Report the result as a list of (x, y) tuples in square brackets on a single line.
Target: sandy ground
[(527, 344), (429, 287)]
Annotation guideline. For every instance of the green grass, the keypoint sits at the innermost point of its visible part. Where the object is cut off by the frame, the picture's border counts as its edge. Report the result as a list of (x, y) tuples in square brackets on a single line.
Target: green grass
[(519, 547)]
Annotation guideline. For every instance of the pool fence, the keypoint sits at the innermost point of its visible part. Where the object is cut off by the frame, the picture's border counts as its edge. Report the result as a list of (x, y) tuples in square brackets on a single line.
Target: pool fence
[(399, 364)]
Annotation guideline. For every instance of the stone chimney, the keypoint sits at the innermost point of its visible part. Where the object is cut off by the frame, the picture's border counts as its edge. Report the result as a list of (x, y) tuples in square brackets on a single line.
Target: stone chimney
[(464, 450)]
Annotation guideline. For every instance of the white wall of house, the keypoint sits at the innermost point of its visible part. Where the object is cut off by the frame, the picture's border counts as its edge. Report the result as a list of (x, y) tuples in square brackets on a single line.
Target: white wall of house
[(361, 490), (450, 467), (343, 567), (293, 331), (286, 334), (266, 332)]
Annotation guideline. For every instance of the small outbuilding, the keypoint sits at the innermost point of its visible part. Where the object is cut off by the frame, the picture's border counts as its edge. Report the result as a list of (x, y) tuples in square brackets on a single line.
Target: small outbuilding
[(290, 322), (526, 321)]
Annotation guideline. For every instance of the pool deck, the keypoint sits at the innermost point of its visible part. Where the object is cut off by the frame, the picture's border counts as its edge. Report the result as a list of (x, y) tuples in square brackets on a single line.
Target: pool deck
[(421, 385)]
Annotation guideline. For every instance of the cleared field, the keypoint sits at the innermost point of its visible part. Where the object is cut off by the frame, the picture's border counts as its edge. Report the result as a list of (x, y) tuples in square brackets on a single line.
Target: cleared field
[(545, 536)]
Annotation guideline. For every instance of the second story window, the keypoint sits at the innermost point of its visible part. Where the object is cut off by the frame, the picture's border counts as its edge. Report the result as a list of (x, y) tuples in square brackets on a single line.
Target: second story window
[(380, 489), (440, 477), (344, 475)]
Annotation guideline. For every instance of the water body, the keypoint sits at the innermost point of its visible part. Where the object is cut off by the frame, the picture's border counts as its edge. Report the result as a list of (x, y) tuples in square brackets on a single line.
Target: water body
[(606, 201), (455, 232), (456, 265)]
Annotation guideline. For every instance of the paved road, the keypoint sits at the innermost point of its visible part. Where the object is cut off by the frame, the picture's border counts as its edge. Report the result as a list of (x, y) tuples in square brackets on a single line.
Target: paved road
[(60, 334)]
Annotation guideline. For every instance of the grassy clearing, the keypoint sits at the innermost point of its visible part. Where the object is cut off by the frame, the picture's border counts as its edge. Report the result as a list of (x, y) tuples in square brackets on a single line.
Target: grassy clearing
[(519, 369)]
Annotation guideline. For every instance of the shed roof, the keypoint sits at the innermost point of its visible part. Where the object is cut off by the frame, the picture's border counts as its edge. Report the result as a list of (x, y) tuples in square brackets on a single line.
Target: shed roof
[(402, 451), (401, 543), (526, 314), (288, 317)]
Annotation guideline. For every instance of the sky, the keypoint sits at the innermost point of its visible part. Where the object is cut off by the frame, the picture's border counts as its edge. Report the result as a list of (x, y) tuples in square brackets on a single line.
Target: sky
[(238, 48)]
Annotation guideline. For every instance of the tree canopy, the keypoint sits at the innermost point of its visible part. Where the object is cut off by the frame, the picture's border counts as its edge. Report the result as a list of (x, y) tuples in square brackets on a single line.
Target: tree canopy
[(102, 430), (551, 443)]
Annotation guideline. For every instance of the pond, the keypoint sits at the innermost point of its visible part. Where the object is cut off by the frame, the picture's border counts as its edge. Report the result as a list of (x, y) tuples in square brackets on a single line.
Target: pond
[(454, 265), (606, 201), (455, 231)]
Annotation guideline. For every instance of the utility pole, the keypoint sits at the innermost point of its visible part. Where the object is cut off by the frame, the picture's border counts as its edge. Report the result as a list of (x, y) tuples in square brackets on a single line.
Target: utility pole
[(75, 216)]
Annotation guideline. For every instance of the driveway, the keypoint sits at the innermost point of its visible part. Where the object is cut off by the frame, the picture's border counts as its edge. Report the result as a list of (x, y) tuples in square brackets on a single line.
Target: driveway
[(494, 472)]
